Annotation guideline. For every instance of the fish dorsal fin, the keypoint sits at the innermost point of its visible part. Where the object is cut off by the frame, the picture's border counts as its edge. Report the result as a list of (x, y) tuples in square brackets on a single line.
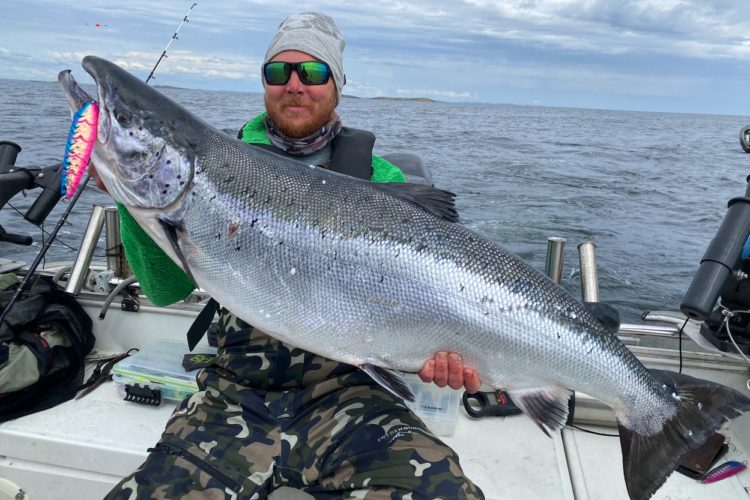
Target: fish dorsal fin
[(607, 315), (547, 406), (436, 201), (389, 379)]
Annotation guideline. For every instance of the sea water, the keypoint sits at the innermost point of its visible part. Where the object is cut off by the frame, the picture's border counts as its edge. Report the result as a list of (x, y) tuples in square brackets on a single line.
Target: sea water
[(649, 189)]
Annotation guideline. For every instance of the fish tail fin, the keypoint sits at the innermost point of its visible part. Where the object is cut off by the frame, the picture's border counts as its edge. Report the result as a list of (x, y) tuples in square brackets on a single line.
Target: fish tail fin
[(704, 406)]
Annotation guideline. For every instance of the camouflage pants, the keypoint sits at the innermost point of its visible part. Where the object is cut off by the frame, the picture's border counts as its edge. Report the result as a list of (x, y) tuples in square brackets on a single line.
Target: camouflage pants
[(271, 415)]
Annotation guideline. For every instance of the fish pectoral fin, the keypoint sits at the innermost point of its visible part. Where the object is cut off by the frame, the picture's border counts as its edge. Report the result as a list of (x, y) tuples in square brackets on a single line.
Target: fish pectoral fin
[(170, 230), (549, 407), (391, 380), (436, 201), (607, 315)]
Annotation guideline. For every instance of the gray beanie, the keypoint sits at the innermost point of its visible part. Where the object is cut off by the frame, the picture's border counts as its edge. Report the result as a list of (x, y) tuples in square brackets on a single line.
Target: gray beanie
[(316, 34)]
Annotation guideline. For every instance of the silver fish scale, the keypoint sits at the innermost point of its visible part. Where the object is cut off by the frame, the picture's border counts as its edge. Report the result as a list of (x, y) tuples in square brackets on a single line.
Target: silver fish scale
[(343, 268)]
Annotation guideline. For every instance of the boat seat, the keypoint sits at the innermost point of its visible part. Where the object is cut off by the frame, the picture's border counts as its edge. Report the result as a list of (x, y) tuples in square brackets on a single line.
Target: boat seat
[(412, 166)]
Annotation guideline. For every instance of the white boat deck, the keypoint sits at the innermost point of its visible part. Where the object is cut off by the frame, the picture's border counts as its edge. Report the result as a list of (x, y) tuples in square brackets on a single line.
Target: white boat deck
[(80, 448)]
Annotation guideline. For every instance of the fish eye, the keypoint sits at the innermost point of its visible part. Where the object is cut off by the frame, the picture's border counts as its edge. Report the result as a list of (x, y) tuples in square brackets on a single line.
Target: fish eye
[(123, 118)]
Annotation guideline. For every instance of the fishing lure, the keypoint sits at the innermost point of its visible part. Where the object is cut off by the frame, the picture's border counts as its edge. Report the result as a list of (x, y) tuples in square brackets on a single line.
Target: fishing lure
[(723, 471), (78, 149)]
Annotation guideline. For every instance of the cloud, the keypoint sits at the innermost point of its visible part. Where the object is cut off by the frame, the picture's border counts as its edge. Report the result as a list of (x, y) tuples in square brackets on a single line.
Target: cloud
[(54, 56), (605, 26), (554, 51), (192, 63)]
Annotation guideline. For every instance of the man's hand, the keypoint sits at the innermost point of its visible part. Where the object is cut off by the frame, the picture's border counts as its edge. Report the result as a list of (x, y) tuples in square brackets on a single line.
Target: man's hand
[(95, 177), (446, 368)]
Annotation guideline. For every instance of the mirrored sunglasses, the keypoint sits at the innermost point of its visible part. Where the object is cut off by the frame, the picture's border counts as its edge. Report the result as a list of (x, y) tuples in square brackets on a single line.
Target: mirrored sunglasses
[(309, 72)]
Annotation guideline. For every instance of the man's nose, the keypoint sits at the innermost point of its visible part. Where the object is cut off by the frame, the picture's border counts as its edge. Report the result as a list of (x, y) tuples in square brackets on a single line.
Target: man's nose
[(294, 85)]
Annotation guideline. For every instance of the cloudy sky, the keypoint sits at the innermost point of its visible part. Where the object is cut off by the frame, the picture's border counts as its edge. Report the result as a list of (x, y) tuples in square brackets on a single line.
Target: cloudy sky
[(652, 55)]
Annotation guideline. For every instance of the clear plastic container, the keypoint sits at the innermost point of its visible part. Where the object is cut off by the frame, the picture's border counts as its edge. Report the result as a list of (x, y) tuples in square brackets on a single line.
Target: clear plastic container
[(436, 406), (159, 366)]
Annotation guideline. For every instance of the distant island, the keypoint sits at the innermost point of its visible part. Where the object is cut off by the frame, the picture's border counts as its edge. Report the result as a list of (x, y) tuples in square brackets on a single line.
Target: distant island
[(345, 96), (170, 87), (384, 98)]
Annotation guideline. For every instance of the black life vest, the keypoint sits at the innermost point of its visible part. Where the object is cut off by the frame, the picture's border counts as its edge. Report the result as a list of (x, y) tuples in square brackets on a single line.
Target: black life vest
[(351, 152)]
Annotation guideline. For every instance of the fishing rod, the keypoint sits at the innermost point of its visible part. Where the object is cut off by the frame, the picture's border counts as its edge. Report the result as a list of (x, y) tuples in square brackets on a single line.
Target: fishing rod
[(38, 259), (174, 37)]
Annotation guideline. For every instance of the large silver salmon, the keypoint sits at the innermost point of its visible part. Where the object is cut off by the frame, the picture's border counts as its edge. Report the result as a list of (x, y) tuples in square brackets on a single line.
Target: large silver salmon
[(380, 276)]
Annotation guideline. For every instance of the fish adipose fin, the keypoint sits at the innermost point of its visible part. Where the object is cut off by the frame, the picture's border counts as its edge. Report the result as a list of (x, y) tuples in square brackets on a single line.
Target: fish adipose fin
[(607, 315), (704, 406), (170, 230), (389, 379), (547, 406), (436, 201)]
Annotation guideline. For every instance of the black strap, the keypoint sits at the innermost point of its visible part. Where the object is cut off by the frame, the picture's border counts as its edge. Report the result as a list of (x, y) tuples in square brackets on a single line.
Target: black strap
[(202, 322), (351, 153)]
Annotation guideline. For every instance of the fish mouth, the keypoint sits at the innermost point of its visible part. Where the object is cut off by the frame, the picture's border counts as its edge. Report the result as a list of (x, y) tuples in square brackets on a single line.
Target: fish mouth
[(145, 142), (110, 80), (76, 96), (122, 93)]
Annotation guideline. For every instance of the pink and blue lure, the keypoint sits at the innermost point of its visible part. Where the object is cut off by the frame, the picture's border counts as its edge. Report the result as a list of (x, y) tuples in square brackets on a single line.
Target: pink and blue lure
[(78, 149), (723, 471)]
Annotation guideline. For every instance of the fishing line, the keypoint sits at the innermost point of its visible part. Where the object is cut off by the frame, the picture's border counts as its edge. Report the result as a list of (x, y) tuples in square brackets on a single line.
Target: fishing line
[(75, 12), (679, 341), (592, 432), (727, 313), (46, 233)]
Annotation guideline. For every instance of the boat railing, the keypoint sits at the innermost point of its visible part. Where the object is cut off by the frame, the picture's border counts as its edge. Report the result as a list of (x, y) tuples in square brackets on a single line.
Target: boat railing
[(657, 328), (106, 280)]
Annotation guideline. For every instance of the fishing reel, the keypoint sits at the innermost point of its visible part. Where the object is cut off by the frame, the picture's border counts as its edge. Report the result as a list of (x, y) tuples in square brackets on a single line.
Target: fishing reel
[(14, 179), (719, 294)]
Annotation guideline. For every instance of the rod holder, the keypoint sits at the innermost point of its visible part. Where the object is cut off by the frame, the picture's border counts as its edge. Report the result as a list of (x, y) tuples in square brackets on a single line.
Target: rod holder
[(8, 152), (86, 252), (722, 259), (554, 265), (589, 278), (115, 253)]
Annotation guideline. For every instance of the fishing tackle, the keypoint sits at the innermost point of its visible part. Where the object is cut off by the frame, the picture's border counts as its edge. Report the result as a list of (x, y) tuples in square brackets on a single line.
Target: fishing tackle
[(723, 471), (78, 148), (72, 193)]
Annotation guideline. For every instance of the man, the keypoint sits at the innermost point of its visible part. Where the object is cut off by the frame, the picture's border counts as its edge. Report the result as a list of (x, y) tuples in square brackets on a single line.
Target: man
[(269, 414)]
